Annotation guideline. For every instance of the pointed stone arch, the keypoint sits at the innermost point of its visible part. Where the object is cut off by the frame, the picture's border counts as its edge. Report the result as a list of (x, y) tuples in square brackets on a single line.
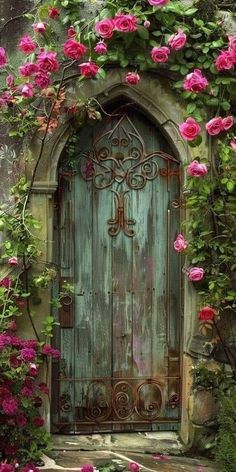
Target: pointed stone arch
[(156, 100)]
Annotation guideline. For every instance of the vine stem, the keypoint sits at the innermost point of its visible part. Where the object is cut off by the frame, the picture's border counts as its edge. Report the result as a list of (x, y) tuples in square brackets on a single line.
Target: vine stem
[(43, 142), (27, 300)]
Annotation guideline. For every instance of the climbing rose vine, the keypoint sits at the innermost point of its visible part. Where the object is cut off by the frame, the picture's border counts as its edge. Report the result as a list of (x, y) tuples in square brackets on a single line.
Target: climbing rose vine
[(198, 60)]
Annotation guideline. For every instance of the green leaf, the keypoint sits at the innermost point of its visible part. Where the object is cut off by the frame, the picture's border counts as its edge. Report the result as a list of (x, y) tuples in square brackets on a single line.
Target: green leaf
[(143, 32), (230, 185), (225, 105), (156, 33), (191, 108)]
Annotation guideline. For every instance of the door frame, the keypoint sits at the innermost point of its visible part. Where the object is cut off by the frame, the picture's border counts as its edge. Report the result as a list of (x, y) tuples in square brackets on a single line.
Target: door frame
[(158, 102)]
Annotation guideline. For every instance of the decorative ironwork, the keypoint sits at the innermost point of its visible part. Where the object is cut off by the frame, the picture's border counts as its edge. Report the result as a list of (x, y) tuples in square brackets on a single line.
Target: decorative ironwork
[(120, 221), (119, 400), (119, 155), (174, 400), (178, 203)]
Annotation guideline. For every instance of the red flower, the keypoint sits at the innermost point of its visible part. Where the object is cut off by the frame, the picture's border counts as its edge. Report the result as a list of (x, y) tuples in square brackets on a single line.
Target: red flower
[(88, 69), (53, 12), (43, 388), (206, 314), (38, 421), (73, 49)]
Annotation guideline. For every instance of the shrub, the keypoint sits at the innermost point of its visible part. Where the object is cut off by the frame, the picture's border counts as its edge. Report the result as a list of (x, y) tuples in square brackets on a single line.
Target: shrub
[(225, 449)]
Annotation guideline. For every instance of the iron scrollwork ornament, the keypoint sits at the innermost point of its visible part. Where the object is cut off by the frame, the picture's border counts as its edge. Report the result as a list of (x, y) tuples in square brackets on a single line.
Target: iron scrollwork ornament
[(119, 156)]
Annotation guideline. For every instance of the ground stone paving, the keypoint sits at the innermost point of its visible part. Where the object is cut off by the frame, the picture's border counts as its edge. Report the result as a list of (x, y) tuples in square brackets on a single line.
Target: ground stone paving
[(73, 460)]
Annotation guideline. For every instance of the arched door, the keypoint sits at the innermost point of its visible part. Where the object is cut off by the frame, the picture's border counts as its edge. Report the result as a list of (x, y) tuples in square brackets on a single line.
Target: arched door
[(120, 335)]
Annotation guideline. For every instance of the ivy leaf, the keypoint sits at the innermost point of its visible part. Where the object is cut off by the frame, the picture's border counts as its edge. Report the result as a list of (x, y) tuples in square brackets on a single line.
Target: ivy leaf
[(191, 108)]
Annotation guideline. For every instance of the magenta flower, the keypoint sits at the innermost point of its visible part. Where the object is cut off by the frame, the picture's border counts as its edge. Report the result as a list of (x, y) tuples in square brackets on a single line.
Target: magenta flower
[(50, 351), (195, 169), (27, 69), (105, 28), (3, 58), (126, 23), (30, 343), (27, 354), (33, 370), (195, 274), (180, 243), (47, 61), (43, 388), (195, 82), (189, 129), (10, 80), (227, 122), (27, 90), (100, 48), (233, 144), (6, 282), (39, 27), (177, 40), (13, 261), (226, 60), (27, 44), (42, 80), (73, 49), (160, 54), (158, 3), (7, 467), (89, 69), (10, 406), (71, 32), (87, 468), (132, 78), (27, 392), (5, 341), (134, 467)]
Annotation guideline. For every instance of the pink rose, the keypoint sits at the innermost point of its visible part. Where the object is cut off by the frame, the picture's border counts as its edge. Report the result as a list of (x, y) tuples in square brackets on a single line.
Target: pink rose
[(177, 40), (6, 282), (225, 60), (100, 48), (134, 467), (3, 58), (13, 261), (28, 69), (195, 169), (180, 244), (232, 42), (39, 27), (195, 274), (33, 370), (233, 144), (126, 23), (195, 82), (160, 54), (42, 80), (227, 122), (132, 78), (10, 81), (88, 69), (10, 406), (53, 12), (27, 45), (189, 129), (73, 49), (147, 24), (105, 28), (71, 32), (158, 3), (47, 61), (214, 126), (27, 91)]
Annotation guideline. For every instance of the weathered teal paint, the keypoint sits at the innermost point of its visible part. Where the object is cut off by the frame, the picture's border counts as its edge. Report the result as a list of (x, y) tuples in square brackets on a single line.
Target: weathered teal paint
[(122, 350)]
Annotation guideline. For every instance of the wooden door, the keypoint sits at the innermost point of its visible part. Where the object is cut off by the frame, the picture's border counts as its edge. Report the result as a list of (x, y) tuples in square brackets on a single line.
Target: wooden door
[(120, 335)]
